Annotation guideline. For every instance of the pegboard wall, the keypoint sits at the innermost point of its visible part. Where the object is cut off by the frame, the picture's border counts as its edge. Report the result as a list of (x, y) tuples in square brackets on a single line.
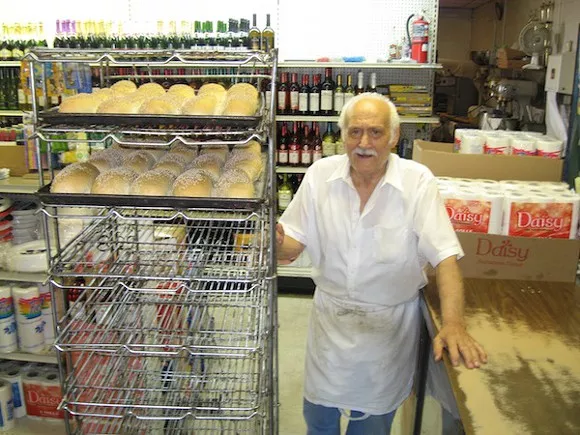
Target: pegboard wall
[(309, 30)]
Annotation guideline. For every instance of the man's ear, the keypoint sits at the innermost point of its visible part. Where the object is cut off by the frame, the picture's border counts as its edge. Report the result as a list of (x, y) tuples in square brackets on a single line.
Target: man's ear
[(395, 138)]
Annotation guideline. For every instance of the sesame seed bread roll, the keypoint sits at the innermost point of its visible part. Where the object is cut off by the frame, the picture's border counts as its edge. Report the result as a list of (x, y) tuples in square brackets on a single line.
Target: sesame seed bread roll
[(234, 175), (156, 182), (81, 103), (124, 86), (240, 107), (221, 151), (183, 90), (159, 106), (139, 161), (173, 166), (202, 105), (152, 89), (248, 162), (193, 183), (235, 190), (75, 178), (208, 162), (116, 181), (212, 89), (251, 147), (119, 105), (185, 154), (244, 90)]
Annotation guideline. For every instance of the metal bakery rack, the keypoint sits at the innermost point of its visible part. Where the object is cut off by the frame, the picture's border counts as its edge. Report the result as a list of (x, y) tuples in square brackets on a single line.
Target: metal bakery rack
[(166, 319)]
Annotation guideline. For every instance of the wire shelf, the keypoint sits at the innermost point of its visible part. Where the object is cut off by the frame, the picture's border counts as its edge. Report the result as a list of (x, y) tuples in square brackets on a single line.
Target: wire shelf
[(202, 249), (166, 320), (165, 388), (187, 426)]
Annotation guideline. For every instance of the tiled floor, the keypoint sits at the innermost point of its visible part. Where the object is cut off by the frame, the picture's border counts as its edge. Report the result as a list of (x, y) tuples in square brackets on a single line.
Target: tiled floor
[(293, 316)]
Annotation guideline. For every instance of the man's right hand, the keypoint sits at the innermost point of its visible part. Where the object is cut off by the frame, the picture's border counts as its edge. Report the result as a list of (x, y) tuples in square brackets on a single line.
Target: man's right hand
[(279, 235)]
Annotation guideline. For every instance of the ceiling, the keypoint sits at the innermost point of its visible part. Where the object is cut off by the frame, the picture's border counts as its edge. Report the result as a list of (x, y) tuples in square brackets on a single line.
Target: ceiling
[(463, 4)]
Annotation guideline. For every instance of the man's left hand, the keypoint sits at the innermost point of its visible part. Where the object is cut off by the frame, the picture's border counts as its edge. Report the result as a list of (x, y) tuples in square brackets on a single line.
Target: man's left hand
[(459, 343)]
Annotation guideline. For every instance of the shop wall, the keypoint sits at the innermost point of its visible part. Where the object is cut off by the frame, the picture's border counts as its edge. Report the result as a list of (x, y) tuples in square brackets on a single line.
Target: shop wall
[(487, 32), (454, 37)]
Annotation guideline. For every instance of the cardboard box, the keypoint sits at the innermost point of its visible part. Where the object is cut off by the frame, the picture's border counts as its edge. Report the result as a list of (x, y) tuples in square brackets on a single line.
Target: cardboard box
[(13, 157), (520, 258), (504, 257), (443, 162)]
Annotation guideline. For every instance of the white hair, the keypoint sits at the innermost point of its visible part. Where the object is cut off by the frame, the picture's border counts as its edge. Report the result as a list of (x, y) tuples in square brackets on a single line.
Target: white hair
[(394, 121)]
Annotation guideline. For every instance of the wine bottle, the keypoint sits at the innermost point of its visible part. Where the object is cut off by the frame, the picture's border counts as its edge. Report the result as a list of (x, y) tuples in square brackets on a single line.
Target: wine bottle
[(283, 145), (283, 94), (314, 100), (285, 193), (338, 95), (327, 93), (316, 143), (254, 36), (294, 147), (267, 36), (349, 90), (306, 148), (339, 143), (304, 96), (294, 95), (328, 145), (359, 83), (372, 86)]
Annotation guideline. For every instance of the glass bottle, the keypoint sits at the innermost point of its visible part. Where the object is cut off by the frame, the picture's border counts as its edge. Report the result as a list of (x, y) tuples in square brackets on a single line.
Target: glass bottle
[(294, 147), (268, 36), (294, 95), (316, 143), (338, 95), (359, 83), (282, 154), (304, 95), (283, 94), (254, 36), (285, 194), (328, 142), (327, 93), (306, 148), (349, 90), (314, 100)]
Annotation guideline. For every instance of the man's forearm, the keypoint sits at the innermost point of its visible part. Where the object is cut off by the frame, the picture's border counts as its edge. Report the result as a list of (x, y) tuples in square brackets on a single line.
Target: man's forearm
[(451, 293), (289, 250)]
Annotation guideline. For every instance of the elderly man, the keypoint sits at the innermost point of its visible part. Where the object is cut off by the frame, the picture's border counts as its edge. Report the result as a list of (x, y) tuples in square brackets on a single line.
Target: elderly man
[(370, 221)]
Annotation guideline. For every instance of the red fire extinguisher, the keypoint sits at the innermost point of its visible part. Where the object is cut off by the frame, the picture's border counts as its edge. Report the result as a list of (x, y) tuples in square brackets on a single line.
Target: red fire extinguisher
[(419, 38)]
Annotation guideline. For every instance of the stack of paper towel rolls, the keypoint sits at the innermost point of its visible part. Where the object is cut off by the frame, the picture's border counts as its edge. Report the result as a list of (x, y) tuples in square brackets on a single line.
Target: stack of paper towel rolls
[(471, 141), (511, 207)]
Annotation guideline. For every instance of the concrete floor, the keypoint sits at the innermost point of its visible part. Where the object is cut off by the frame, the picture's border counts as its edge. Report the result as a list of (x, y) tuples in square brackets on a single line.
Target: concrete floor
[(293, 316)]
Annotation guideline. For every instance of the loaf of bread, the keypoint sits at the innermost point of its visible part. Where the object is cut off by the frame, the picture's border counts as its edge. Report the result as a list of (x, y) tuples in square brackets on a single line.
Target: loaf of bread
[(159, 106), (173, 166), (250, 163), (75, 178), (201, 105), (240, 106), (139, 161), (151, 89), (124, 86), (235, 190), (156, 182), (192, 183), (212, 89), (251, 147), (119, 105), (209, 162), (220, 151), (184, 153), (116, 181), (244, 90)]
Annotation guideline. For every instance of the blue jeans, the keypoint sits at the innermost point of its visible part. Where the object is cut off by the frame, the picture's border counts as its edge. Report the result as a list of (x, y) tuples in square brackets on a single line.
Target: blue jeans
[(321, 420)]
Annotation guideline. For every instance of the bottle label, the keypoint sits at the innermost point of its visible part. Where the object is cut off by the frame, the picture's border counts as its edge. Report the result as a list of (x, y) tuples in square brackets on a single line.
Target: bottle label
[(284, 198), (316, 155), (306, 157), (303, 102), (294, 157), (314, 102), (21, 97), (294, 103), (348, 97), (338, 101), (328, 149), (281, 100), (326, 100), (283, 157), (340, 148)]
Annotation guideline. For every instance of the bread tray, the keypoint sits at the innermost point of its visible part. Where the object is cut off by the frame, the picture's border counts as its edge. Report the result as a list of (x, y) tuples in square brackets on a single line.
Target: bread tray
[(142, 201)]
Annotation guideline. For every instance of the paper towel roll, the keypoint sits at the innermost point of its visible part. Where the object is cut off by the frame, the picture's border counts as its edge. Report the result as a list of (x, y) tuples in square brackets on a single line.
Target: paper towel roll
[(485, 182), (28, 308), (457, 139), (523, 146), (496, 144), (14, 377), (474, 211), (541, 215), (548, 147), (28, 257), (32, 387), (472, 143), (8, 334), (6, 407), (46, 310)]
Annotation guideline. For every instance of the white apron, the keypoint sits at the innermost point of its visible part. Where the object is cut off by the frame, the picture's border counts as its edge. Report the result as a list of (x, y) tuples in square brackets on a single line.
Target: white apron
[(360, 356)]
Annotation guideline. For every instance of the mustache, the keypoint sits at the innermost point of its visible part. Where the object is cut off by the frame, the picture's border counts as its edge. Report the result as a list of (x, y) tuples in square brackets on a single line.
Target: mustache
[(365, 152)]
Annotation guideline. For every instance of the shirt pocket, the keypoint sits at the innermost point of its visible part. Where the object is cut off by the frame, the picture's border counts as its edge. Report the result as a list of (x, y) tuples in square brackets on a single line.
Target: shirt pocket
[(390, 244)]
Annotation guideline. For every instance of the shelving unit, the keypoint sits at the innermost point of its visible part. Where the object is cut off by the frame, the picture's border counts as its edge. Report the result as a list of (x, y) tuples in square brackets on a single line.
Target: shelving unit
[(18, 185), (23, 276), (294, 272), (12, 113), (361, 65), (404, 119), (290, 170), (48, 357)]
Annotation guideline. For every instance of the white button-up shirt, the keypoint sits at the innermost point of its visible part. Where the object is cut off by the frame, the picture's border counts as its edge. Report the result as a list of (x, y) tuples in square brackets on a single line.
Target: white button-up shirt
[(368, 269)]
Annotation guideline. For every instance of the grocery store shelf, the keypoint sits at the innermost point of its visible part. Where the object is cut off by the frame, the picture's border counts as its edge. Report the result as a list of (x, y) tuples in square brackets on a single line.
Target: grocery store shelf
[(48, 357), (22, 276), (9, 63), (295, 272), (28, 426), (11, 113), (404, 119), (398, 65), (290, 170), (19, 185)]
